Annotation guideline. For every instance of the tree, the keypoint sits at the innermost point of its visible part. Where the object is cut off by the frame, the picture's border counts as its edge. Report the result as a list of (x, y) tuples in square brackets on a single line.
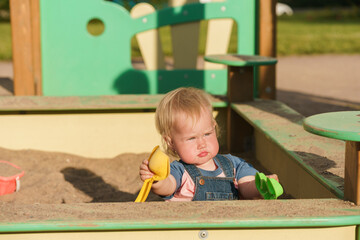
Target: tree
[(4, 5), (321, 3)]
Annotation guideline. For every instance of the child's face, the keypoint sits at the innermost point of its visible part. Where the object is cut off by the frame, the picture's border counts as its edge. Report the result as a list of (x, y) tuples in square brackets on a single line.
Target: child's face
[(195, 143)]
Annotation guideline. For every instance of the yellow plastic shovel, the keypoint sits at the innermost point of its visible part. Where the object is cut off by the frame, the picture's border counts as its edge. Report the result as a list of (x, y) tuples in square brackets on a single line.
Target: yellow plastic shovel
[(159, 164)]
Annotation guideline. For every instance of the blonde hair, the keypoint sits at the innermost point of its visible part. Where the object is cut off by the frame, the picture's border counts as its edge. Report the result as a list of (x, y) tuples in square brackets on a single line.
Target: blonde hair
[(190, 101)]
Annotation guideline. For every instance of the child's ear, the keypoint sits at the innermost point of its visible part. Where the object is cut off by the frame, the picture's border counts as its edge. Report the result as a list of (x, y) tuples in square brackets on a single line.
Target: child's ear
[(168, 141)]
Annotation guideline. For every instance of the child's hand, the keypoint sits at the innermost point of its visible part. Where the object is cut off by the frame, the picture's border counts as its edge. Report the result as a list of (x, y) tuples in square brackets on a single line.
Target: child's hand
[(273, 176), (144, 171), (164, 187), (247, 187)]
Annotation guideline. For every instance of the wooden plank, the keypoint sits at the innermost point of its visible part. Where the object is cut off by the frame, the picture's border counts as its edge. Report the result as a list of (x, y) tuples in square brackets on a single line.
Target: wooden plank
[(92, 135), (79, 103), (157, 215), (295, 178), (36, 45), (185, 40), (149, 41), (22, 47), (332, 233), (352, 172), (267, 47), (322, 158)]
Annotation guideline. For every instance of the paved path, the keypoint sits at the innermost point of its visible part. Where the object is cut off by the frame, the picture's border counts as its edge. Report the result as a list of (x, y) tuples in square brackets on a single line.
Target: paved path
[(6, 76), (315, 84), (309, 84)]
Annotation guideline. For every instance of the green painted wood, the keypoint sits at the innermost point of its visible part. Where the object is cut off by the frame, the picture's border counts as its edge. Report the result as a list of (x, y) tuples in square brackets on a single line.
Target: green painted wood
[(344, 125), (283, 126), (76, 63), (241, 60), (83, 103), (193, 215)]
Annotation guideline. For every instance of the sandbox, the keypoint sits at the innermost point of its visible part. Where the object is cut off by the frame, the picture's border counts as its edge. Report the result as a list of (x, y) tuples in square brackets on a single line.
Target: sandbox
[(79, 195), (81, 154)]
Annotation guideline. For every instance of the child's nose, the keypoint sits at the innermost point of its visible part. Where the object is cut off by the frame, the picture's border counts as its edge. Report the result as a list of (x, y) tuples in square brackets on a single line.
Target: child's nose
[(201, 142)]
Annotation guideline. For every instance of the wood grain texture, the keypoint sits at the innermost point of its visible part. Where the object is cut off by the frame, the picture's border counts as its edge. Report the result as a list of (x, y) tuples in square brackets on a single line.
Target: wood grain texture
[(22, 47), (352, 173), (267, 47)]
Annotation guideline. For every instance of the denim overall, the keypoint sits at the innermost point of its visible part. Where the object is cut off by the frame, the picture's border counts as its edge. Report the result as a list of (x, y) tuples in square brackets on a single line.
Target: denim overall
[(214, 188)]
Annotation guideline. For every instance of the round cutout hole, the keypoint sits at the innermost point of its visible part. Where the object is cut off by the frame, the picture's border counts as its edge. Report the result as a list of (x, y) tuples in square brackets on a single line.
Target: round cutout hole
[(95, 27)]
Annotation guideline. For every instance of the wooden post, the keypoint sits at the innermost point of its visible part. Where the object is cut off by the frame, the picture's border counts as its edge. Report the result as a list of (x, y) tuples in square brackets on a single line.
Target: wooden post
[(267, 47), (25, 25), (352, 172), (240, 85)]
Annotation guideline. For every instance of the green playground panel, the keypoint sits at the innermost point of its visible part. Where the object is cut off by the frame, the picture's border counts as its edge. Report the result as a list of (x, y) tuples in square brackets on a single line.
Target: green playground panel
[(76, 63)]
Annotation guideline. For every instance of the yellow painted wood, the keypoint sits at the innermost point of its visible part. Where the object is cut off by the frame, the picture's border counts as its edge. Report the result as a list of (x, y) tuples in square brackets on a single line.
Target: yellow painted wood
[(284, 147), (333, 233), (149, 41), (93, 135), (185, 40), (88, 135), (218, 39), (294, 179)]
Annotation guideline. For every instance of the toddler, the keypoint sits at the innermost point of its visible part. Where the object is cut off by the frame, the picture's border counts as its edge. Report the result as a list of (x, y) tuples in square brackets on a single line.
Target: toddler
[(189, 131)]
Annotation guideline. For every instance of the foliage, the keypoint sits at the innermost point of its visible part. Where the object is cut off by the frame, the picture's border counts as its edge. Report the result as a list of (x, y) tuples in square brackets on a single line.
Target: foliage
[(321, 3), (4, 10), (319, 32), (5, 41), (328, 31), (4, 5)]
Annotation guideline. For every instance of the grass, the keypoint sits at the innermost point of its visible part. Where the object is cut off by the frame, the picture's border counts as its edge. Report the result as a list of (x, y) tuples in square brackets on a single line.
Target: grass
[(165, 33), (5, 41), (319, 32), (327, 31)]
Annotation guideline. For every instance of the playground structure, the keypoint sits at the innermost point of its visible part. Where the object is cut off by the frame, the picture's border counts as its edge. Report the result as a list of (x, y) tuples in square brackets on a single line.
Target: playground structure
[(285, 150), (35, 72)]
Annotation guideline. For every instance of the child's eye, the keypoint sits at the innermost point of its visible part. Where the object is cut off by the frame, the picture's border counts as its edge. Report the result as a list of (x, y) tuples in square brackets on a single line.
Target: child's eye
[(209, 133), (190, 139)]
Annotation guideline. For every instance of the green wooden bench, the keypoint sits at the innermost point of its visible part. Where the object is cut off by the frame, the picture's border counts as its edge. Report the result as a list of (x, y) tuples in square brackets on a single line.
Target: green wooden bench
[(325, 219), (275, 132), (343, 126), (309, 166)]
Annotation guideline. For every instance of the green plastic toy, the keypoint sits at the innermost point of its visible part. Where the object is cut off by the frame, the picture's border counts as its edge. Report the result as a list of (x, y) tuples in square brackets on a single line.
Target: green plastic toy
[(268, 188)]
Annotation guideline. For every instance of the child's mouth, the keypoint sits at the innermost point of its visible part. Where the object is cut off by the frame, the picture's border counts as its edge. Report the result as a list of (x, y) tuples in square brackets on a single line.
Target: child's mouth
[(203, 154)]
